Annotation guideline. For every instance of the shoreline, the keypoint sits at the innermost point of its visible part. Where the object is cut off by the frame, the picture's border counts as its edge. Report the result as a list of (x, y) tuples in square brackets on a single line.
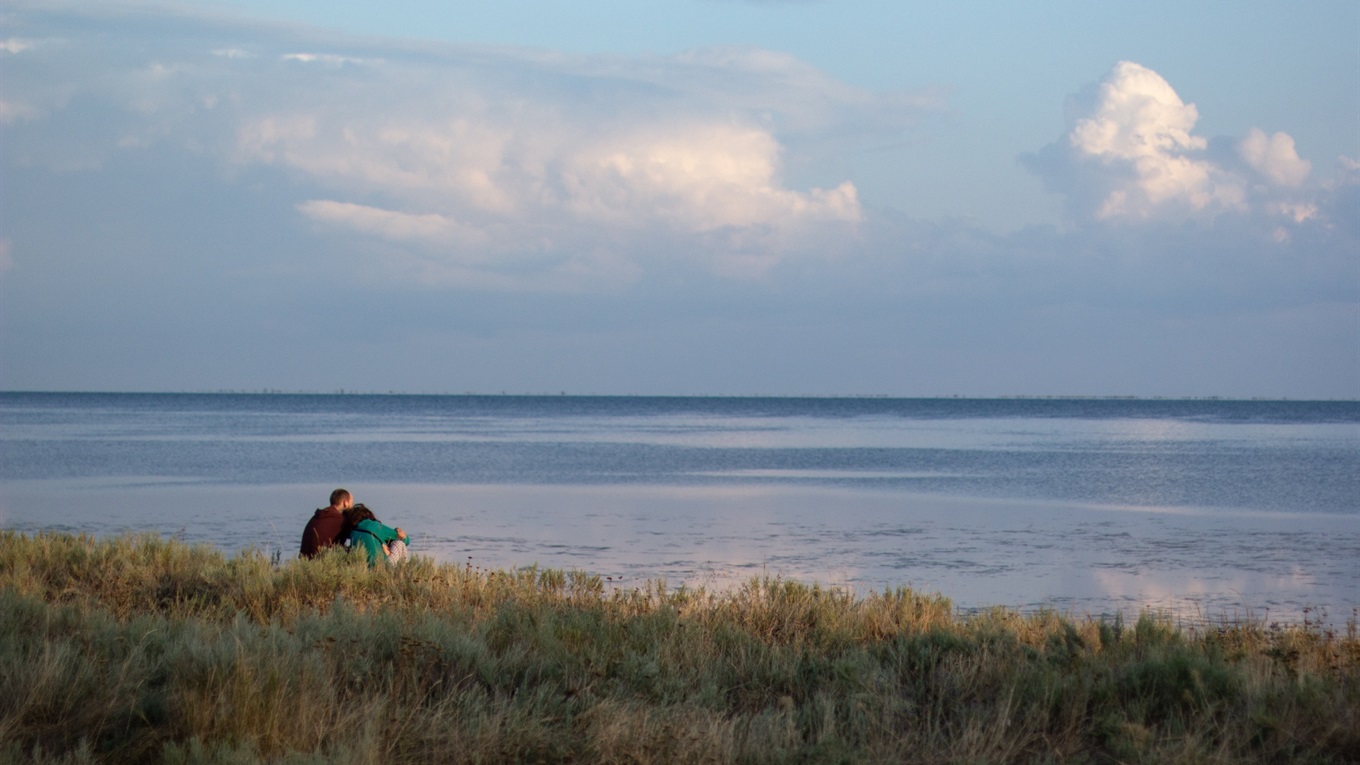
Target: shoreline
[(981, 551), (1178, 610)]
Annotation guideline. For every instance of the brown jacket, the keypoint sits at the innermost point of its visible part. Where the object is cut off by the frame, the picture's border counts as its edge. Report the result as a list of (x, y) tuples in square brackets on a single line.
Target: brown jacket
[(322, 531)]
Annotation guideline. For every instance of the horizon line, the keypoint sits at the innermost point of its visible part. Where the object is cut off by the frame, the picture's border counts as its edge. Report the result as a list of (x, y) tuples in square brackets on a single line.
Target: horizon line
[(565, 394)]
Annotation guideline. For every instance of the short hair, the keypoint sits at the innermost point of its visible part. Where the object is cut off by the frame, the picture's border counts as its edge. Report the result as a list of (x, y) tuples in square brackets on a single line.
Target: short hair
[(338, 496)]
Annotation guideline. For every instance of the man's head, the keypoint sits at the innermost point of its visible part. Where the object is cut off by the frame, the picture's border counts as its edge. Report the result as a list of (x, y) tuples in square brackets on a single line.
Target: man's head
[(341, 499)]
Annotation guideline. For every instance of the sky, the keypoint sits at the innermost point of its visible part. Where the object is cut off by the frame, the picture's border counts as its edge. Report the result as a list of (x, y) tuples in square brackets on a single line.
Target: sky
[(681, 197)]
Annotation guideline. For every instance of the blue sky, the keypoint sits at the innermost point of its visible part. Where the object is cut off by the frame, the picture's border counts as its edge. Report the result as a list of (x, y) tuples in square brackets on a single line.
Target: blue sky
[(707, 197)]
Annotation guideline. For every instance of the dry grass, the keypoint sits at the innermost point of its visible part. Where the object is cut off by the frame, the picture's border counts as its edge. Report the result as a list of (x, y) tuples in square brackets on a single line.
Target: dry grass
[(140, 649)]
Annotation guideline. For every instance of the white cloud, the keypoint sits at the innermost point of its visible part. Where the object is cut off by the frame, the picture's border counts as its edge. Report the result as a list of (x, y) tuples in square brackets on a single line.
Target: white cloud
[(1274, 157), (1140, 133), (390, 224), (1131, 155), (15, 45), (1137, 115), (695, 177), (12, 111), (1297, 211), (326, 59), (477, 156), (232, 52), (509, 168)]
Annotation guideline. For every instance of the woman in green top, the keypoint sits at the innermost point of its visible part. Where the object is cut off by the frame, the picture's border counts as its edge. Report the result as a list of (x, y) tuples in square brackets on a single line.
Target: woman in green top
[(375, 539)]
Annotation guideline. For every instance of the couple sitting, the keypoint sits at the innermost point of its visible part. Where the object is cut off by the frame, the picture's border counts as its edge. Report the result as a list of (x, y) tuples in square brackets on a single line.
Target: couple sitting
[(353, 526)]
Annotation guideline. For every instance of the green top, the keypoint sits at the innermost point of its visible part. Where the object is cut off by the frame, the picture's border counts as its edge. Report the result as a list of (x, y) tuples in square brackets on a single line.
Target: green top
[(371, 536)]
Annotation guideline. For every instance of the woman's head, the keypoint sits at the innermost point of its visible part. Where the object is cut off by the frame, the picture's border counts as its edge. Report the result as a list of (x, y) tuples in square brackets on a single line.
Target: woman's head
[(359, 512)]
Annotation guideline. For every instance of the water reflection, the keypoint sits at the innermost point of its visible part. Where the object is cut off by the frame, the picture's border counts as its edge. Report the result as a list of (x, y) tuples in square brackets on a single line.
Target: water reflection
[(1196, 563)]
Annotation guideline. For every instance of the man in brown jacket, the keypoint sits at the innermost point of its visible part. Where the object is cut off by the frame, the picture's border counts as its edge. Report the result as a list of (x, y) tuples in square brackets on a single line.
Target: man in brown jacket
[(323, 530)]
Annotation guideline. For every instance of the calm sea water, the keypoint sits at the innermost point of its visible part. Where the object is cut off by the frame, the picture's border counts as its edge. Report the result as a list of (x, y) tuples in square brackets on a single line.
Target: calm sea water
[(1207, 508)]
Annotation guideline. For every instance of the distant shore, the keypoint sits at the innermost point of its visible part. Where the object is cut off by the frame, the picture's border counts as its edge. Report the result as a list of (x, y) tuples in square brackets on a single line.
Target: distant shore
[(137, 648), (699, 396)]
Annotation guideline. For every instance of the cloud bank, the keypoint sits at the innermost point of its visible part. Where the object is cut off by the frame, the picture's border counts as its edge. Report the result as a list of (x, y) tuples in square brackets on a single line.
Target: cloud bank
[(479, 162), (551, 215)]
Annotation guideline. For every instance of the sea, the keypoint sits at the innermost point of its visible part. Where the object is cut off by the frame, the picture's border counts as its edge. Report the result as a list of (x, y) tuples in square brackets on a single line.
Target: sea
[(1199, 509)]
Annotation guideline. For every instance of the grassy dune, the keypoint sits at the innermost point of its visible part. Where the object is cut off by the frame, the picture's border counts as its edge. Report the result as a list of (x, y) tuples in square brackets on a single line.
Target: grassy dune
[(141, 649)]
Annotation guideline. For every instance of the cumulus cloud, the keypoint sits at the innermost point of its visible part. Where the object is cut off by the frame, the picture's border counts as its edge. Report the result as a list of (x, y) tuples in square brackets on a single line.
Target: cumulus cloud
[(1274, 157), (260, 166), (505, 168), (1131, 154), (476, 155), (474, 182), (697, 178), (489, 166)]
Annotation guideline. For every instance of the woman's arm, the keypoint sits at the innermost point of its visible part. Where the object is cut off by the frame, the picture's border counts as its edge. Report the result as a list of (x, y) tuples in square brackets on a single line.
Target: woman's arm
[(387, 533)]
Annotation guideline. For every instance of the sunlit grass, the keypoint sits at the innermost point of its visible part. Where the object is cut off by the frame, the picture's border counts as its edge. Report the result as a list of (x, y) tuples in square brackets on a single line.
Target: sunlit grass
[(141, 649)]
